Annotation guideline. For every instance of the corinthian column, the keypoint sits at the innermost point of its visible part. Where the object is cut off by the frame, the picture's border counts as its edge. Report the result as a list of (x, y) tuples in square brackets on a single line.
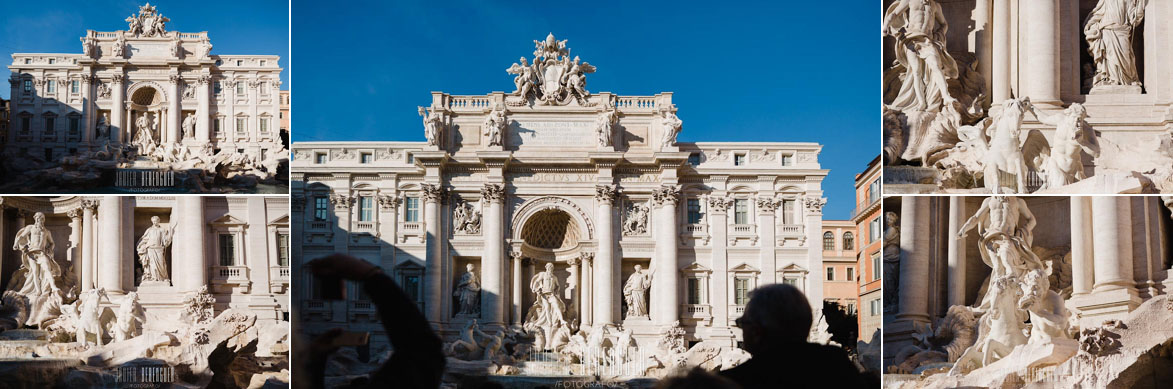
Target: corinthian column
[(189, 269), (173, 111), (204, 111), (665, 296), (584, 290), (110, 256), (493, 261), (606, 309), (433, 281), (87, 244), (118, 96), (814, 251)]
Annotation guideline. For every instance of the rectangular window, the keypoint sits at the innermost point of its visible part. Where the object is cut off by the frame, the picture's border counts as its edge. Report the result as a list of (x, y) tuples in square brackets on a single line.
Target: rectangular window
[(738, 159), (413, 210), (73, 122), (740, 211), (830, 274), (74, 86), (694, 290), (365, 158), (787, 160), (851, 274), (874, 230), (241, 124), (410, 159), (411, 287), (366, 208), (791, 281), (874, 191), (28, 86), (262, 63), (24, 124), (49, 125), (264, 125), (28, 61), (694, 211), (239, 88), (282, 249), (321, 208), (740, 291), (52, 61), (876, 266), (877, 307), (217, 87), (360, 293), (216, 125), (788, 212), (52, 86), (264, 86), (227, 250)]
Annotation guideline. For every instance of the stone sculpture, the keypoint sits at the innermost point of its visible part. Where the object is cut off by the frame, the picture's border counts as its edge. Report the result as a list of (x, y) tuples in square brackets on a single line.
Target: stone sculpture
[(919, 28), (144, 138), (434, 125), (189, 126), (466, 218), (525, 80), (1004, 157), (468, 291), (152, 251), (1049, 317), (1072, 135), (621, 348), (103, 129), (468, 347), (1109, 30), (604, 127), (553, 78), (671, 127), (1006, 226), (38, 277), (89, 314), (546, 314), (176, 46), (87, 46), (891, 260), (130, 318), (635, 222), (494, 126), (198, 307), (147, 23), (119, 46), (635, 292), (672, 339), (953, 335)]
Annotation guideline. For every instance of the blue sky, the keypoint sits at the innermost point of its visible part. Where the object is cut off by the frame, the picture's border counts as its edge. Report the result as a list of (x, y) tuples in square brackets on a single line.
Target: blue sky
[(235, 27), (777, 71)]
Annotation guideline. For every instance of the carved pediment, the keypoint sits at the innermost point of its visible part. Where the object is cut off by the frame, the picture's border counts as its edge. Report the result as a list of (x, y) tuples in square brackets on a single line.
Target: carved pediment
[(228, 220)]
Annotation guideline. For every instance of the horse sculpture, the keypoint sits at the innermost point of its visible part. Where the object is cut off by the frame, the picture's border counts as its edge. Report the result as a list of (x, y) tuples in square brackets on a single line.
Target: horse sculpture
[(89, 315)]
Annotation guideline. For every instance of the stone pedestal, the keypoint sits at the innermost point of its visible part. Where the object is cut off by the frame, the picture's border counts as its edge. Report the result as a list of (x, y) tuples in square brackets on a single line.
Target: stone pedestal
[(1116, 90)]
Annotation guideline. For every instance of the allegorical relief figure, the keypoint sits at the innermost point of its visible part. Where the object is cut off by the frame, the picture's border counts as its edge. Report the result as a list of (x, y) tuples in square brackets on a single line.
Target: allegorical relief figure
[(1109, 30), (434, 124), (635, 292), (152, 250), (468, 291), (671, 125)]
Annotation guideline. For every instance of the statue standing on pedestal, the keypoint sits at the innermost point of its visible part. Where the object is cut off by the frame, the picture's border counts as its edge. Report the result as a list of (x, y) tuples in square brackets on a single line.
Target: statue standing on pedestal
[(671, 125), (635, 292), (143, 138), (1108, 29), (152, 251), (189, 126), (546, 315), (38, 270), (469, 292)]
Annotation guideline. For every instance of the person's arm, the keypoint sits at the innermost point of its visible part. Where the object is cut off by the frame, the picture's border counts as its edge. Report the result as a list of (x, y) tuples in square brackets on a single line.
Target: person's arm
[(418, 359)]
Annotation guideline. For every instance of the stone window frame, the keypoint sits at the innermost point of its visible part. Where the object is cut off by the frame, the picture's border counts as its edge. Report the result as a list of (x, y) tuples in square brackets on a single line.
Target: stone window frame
[(789, 195), (49, 120), (407, 191), (28, 86), (742, 271), (796, 273), (828, 239), (71, 118), (275, 228), (237, 231), (410, 268), (786, 159), (74, 86), (703, 308), (50, 86), (238, 129), (321, 158), (848, 240), (26, 122), (266, 119), (365, 191)]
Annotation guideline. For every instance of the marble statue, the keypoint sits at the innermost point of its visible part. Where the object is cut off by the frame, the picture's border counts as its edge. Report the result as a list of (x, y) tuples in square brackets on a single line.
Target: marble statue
[(89, 314), (891, 260), (468, 290), (621, 348), (467, 347), (1072, 136), (1006, 226), (103, 129), (604, 127), (893, 136), (1000, 327), (546, 314), (152, 250), (671, 125), (1109, 30), (119, 47), (525, 80), (434, 125), (575, 79), (205, 47), (954, 334), (87, 46), (1049, 317), (466, 218), (144, 138), (147, 23), (635, 222), (919, 28), (595, 347), (494, 347), (635, 292), (1004, 157), (129, 318), (189, 126), (38, 270), (494, 126), (176, 46)]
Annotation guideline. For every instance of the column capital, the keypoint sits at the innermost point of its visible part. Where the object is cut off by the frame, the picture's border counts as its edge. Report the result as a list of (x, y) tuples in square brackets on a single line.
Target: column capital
[(605, 194), (767, 205), (493, 193), (203, 79), (719, 204), (74, 213), (118, 78), (341, 201), (667, 195), (814, 205), (587, 258), (388, 201), (175, 79), (87, 79), (432, 193)]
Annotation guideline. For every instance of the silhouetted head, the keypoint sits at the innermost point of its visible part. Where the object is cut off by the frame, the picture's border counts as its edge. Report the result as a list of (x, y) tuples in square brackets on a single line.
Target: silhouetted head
[(775, 314)]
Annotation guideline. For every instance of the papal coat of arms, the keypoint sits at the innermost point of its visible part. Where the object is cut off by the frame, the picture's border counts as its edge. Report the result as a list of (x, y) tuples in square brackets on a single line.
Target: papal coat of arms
[(553, 78), (147, 23)]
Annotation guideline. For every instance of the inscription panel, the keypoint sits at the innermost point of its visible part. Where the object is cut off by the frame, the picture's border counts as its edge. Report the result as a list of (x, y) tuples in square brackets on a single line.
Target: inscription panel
[(551, 133), (149, 49)]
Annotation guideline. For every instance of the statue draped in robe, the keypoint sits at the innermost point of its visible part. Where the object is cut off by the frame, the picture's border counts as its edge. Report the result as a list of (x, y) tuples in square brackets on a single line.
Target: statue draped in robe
[(152, 251), (1108, 29)]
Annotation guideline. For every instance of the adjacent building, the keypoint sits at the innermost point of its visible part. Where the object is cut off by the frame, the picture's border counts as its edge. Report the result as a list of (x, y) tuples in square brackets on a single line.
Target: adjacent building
[(839, 264), (144, 81), (593, 184), (869, 224)]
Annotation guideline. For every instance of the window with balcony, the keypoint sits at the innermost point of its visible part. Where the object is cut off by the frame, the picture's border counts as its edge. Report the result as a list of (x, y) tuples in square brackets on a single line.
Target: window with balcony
[(241, 125), (874, 191), (74, 86), (788, 212), (321, 208), (694, 291), (828, 241), (366, 209), (264, 125), (694, 211), (412, 213), (740, 290), (282, 249), (741, 211), (227, 250), (848, 241), (830, 274)]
